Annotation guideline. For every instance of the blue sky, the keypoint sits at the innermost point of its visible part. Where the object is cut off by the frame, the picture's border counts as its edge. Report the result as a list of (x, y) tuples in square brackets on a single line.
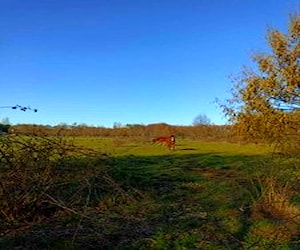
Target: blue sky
[(98, 62)]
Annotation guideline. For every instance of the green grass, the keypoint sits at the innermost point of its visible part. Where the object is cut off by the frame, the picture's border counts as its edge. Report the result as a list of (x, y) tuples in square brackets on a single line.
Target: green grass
[(122, 146), (138, 195)]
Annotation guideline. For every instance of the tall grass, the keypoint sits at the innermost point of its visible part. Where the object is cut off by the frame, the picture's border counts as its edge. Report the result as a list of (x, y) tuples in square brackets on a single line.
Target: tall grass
[(274, 218), (47, 180)]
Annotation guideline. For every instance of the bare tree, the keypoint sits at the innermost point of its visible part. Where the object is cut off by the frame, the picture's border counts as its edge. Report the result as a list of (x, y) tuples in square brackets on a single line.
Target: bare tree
[(201, 119)]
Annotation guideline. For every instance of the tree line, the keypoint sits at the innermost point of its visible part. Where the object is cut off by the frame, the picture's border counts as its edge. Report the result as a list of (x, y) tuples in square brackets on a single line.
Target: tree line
[(145, 132)]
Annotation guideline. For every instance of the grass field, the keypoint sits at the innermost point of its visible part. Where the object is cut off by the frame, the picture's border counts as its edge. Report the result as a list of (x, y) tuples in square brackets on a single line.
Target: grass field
[(138, 195)]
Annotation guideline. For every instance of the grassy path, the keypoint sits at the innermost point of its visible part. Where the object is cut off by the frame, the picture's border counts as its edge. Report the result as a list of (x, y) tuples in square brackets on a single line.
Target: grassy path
[(198, 199)]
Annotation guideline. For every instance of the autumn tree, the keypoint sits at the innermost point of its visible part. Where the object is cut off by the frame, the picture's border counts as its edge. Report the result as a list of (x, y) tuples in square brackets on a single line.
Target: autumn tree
[(265, 101)]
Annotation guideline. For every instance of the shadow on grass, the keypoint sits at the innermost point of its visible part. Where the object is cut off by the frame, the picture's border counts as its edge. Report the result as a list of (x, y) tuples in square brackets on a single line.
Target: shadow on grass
[(143, 202), (188, 149), (196, 193)]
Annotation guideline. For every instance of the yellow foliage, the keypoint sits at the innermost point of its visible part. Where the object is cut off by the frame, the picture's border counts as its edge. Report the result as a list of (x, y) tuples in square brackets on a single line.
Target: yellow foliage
[(265, 100)]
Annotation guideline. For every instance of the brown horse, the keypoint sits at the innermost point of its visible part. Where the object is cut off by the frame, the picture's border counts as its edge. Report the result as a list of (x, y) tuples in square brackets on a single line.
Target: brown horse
[(169, 141)]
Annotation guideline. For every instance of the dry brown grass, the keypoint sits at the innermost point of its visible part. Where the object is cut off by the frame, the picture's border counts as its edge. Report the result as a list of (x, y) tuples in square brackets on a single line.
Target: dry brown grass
[(275, 208), (275, 202)]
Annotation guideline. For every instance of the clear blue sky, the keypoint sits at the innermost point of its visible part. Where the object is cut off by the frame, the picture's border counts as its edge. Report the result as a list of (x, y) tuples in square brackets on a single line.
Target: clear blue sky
[(129, 61)]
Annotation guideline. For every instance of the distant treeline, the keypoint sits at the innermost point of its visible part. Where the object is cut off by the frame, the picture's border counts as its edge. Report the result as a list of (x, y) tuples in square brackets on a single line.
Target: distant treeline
[(203, 132)]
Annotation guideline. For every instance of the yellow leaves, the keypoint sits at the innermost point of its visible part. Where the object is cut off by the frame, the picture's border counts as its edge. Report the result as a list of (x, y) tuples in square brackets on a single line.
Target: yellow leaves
[(278, 42), (296, 51), (294, 27), (265, 63), (267, 127), (269, 97)]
